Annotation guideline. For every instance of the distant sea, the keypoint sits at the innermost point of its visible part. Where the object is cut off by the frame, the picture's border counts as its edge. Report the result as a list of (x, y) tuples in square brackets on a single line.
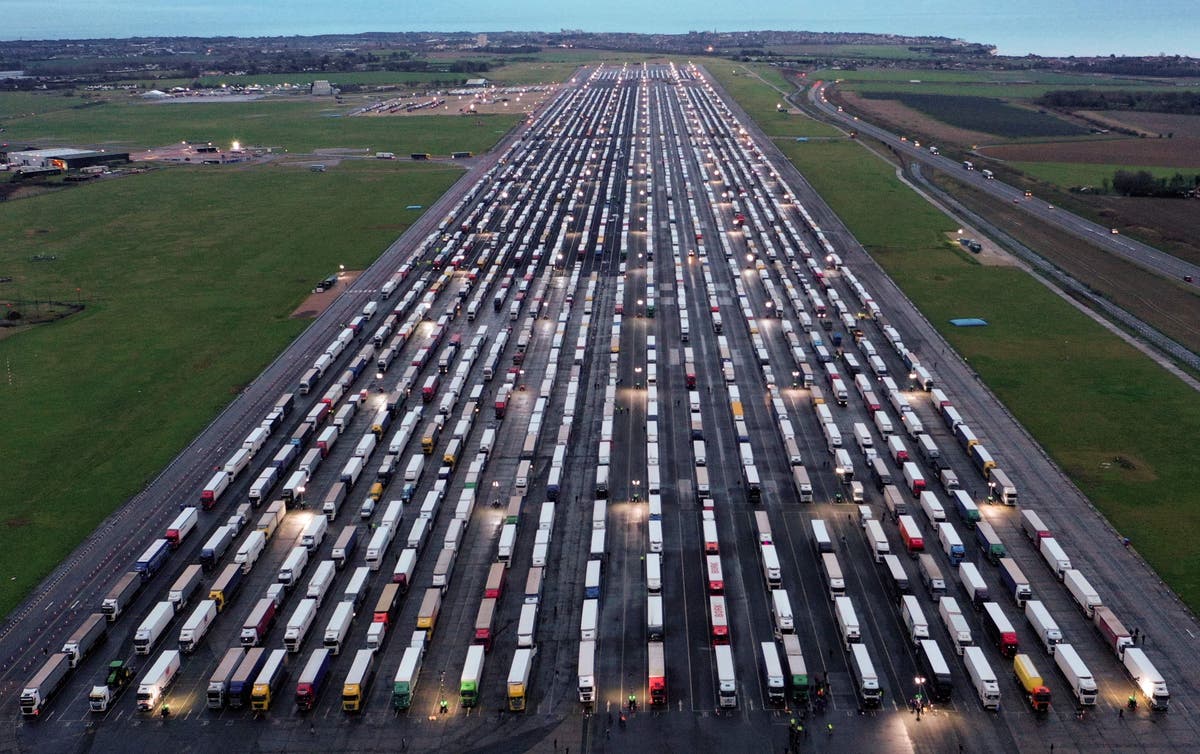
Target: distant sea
[(1016, 27)]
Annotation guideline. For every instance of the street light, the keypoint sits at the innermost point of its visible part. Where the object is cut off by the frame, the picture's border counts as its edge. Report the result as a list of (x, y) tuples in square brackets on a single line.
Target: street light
[(920, 681), (637, 490)]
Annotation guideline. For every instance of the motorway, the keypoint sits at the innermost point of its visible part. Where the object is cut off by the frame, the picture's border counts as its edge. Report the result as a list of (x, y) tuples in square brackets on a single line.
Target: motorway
[(1135, 251), (627, 302)]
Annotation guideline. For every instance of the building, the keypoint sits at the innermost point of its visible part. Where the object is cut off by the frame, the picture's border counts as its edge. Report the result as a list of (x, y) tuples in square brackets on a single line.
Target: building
[(477, 82), (322, 89), (63, 158)]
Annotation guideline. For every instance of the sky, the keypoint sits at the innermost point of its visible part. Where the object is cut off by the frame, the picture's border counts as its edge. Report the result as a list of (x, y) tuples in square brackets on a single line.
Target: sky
[(1016, 27)]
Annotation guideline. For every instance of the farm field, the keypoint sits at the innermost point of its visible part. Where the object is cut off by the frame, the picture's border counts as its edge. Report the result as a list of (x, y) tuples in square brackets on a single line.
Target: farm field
[(1087, 397), (985, 114), (189, 277), (1167, 153), (1072, 174), (932, 76), (339, 78), (1151, 123), (1170, 224), (297, 126)]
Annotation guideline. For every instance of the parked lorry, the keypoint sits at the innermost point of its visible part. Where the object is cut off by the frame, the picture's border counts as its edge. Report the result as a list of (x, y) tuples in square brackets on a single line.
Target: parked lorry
[(312, 678), (1079, 678), (847, 621), (1014, 581), (999, 629), (1147, 678), (866, 682), (197, 626), (118, 678), (404, 684), (225, 587), (85, 638), (1116, 636), (956, 625), (37, 692), (1044, 627), (726, 678), (258, 622), (215, 547), (185, 586), (982, 677), (153, 627), (1054, 555), (157, 680), (217, 691), (1037, 693), (1082, 592)]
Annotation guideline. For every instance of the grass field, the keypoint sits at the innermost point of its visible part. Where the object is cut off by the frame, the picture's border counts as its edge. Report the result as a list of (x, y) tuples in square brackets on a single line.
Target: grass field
[(1070, 174), (1084, 394), (1057, 79), (759, 100), (189, 278), (986, 114), (298, 126)]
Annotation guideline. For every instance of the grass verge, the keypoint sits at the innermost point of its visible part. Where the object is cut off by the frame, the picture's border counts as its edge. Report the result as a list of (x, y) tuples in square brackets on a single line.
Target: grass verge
[(759, 99)]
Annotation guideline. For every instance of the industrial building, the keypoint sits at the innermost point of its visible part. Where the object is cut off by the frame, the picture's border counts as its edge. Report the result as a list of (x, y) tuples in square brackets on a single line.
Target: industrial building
[(61, 158)]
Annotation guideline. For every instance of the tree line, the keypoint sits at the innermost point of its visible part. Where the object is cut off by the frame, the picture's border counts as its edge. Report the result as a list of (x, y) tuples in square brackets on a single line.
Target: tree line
[(1181, 103)]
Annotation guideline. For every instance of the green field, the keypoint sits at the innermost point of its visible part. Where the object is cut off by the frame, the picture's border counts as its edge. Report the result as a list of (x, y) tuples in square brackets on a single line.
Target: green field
[(986, 114), (189, 277), (759, 100), (1070, 174), (296, 126), (1088, 397)]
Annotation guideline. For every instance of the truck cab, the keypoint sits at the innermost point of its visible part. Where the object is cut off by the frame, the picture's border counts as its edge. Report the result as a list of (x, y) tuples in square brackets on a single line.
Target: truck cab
[(118, 679)]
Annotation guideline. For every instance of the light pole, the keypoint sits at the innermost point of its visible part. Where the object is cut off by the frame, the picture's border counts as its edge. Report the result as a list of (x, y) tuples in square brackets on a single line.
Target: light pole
[(637, 490), (920, 681)]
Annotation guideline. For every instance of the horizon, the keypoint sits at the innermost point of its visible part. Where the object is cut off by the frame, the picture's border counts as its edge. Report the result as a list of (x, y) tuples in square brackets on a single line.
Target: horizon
[(1050, 28)]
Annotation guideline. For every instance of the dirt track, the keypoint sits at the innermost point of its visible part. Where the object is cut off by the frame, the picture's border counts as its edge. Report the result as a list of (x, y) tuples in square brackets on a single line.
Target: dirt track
[(319, 302)]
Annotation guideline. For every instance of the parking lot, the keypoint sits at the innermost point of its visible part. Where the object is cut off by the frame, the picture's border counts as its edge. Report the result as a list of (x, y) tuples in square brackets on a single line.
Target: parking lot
[(636, 304)]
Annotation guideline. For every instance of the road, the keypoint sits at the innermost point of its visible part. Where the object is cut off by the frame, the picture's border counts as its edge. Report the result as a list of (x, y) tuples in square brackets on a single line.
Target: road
[(620, 306), (1130, 249)]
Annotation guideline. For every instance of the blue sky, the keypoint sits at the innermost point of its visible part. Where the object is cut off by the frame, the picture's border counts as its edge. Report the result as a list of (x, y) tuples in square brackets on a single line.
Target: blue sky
[(1049, 27)]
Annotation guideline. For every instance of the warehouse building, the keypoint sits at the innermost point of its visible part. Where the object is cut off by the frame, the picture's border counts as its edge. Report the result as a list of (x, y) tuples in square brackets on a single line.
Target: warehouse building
[(63, 158)]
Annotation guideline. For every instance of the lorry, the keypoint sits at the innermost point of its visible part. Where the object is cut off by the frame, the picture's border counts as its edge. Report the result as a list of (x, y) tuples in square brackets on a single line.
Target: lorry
[(1079, 678), (781, 612), (299, 623), (225, 587), (152, 559), (796, 669), (726, 678), (831, 569), (1014, 581), (518, 679), (1031, 524), (197, 625), (85, 638), (218, 683), (293, 566), (157, 680), (973, 584), (345, 545), (1082, 592), (1116, 636), (268, 680), (472, 676), (1037, 694), (36, 693), (258, 622), (951, 543), (982, 677), (956, 625), (314, 533), (1054, 555), (182, 526), (773, 672), (358, 681), (931, 576), (968, 511), (185, 586), (312, 678), (914, 619), (338, 627), (1044, 626), (153, 627), (586, 672), (989, 542), (215, 547), (932, 664), (866, 682), (910, 535), (427, 614), (1147, 678), (999, 629), (252, 547), (102, 696), (405, 682), (847, 621)]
